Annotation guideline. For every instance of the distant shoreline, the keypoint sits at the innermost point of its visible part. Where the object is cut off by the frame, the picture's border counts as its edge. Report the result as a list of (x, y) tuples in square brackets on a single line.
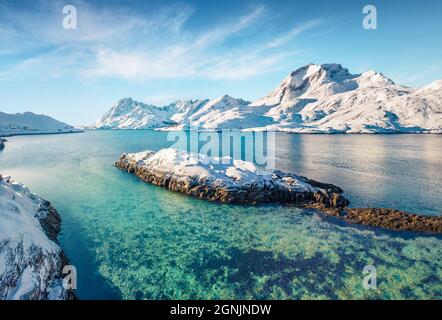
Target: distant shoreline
[(276, 131), (39, 133)]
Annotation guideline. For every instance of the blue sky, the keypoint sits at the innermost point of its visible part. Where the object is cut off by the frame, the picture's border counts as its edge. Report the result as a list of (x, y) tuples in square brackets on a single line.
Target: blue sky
[(160, 51)]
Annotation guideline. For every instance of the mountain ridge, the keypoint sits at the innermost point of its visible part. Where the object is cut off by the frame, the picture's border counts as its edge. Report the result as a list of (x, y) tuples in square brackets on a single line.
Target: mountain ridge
[(315, 98), (30, 123)]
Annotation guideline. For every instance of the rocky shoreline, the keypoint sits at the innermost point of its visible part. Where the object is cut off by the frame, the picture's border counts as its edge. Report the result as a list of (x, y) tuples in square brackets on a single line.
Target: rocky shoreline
[(184, 173), (277, 187), (29, 247)]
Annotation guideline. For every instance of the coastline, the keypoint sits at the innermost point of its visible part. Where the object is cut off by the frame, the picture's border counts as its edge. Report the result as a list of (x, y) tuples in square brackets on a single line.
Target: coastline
[(275, 131), (2, 136), (38, 133)]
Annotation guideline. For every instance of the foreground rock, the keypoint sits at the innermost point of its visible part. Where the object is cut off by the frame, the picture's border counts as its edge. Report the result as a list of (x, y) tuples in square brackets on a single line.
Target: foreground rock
[(240, 182), (31, 260), (236, 182), (2, 143)]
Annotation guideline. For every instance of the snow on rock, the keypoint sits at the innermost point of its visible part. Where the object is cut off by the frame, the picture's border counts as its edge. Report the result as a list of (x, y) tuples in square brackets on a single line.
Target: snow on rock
[(182, 110), (30, 258), (312, 99), (130, 114), (223, 113), (208, 114), (30, 123), (225, 179)]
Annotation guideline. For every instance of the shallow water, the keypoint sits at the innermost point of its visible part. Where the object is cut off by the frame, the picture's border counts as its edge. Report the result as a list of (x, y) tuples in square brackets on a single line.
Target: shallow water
[(133, 240)]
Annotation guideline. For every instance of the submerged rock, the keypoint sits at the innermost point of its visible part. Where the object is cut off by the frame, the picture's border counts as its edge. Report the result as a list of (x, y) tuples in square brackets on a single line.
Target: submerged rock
[(241, 182), (385, 218), (31, 261), (236, 182)]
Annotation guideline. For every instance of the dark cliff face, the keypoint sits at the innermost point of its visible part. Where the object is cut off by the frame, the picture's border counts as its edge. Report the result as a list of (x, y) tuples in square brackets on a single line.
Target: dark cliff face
[(50, 221)]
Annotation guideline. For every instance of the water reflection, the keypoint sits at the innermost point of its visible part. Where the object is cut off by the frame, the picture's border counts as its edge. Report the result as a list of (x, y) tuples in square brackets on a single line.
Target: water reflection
[(400, 171)]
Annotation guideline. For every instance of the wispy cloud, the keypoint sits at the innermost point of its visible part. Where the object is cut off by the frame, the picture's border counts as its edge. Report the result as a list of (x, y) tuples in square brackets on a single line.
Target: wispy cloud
[(123, 44), (292, 34), (425, 76)]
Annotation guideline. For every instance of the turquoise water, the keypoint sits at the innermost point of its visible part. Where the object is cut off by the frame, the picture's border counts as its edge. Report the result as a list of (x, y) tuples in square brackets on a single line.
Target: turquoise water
[(136, 241)]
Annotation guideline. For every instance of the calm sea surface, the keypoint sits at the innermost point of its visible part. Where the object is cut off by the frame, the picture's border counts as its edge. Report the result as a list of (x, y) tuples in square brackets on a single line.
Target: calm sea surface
[(132, 240)]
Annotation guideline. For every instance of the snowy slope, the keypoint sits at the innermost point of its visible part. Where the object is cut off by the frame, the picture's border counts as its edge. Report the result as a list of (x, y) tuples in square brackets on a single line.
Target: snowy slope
[(130, 114), (30, 123), (328, 98), (224, 112), (30, 262), (181, 110), (315, 98)]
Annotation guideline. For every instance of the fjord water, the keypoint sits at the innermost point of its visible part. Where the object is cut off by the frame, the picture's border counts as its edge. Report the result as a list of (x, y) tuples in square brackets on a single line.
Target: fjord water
[(131, 240)]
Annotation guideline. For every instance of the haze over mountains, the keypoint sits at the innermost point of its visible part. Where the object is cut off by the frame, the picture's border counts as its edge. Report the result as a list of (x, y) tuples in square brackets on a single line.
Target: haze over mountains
[(313, 99)]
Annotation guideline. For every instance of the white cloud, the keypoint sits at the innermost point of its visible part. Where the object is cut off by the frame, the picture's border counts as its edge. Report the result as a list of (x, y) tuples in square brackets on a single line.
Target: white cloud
[(424, 77), (122, 44), (297, 30)]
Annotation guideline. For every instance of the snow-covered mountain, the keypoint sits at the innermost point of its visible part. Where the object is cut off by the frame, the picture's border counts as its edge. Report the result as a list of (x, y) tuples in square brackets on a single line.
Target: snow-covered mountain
[(130, 114), (221, 113), (315, 98), (327, 98), (210, 114), (30, 123)]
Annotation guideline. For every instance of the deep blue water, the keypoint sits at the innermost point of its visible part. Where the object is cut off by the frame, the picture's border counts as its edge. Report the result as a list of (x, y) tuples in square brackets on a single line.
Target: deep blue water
[(133, 240)]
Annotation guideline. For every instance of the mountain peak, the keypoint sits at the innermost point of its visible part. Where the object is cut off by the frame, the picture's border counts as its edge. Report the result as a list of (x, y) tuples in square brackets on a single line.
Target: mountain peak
[(311, 81), (374, 78), (228, 100), (332, 71), (127, 100), (315, 75)]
